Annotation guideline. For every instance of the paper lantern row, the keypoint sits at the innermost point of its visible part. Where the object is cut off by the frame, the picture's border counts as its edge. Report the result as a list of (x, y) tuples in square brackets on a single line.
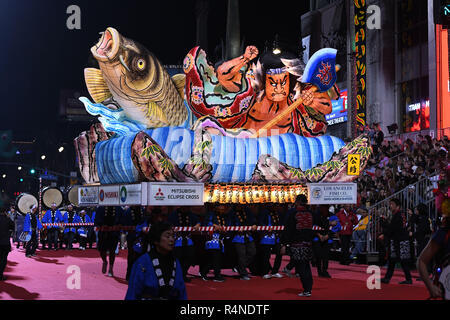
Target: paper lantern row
[(234, 193)]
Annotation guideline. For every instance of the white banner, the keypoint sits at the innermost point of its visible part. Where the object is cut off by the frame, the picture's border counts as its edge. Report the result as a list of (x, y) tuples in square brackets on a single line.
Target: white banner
[(87, 195), (131, 194), (332, 193), (108, 195), (175, 194)]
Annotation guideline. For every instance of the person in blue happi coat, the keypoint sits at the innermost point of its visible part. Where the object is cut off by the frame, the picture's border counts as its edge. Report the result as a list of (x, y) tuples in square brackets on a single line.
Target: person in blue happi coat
[(157, 274), (70, 216), (184, 246), (216, 217), (85, 233), (243, 241), (31, 226), (269, 215), (52, 215)]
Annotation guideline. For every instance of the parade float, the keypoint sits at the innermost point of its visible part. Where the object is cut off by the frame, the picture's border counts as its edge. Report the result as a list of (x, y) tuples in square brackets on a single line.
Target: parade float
[(251, 130)]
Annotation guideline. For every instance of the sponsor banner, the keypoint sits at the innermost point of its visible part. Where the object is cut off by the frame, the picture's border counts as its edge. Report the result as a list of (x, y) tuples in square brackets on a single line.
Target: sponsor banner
[(131, 194), (339, 112), (175, 194), (108, 195), (87, 196), (332, 193)]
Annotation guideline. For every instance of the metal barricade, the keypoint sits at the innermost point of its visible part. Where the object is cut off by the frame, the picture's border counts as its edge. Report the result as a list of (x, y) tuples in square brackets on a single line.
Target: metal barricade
[(410, 197)]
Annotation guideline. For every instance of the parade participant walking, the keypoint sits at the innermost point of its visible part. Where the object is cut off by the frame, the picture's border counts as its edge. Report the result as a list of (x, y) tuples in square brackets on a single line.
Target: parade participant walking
[(399, 248), (243, 241), (321, 241), (270, 241), (157, 275), (184, 246), (348, 220), (31, 226), (18, 220), (218, 219), (108, 239), (297, 242), (6, 228), (131, 216), (52, 215), (69, 232)]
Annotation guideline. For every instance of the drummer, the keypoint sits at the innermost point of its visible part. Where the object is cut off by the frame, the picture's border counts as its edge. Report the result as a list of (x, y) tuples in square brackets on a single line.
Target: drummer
[(69, 232), (53, 215)]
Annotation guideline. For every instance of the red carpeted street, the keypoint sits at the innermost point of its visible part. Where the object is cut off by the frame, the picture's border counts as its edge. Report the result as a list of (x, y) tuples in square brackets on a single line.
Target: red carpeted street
[(47, 277)]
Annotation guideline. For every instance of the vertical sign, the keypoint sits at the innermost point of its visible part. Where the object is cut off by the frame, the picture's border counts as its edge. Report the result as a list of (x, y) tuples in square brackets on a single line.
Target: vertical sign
[(353, 164), (360, 51)]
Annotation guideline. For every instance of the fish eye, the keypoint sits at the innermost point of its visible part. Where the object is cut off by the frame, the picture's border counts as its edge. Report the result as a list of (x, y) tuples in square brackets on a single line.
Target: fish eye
[(140, 64)]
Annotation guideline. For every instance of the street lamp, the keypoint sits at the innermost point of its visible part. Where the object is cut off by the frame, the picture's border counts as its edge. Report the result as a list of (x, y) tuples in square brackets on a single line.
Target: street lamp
[(19, 168), (4, 176), (43, 157), (61, 149)]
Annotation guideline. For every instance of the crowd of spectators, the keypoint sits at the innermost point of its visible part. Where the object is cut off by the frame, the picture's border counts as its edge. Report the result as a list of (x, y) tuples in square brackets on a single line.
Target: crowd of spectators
[(397, 164)]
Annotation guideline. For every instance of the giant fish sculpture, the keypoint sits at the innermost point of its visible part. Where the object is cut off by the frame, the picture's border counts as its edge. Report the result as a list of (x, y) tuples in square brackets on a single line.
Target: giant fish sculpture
[(149, 132)]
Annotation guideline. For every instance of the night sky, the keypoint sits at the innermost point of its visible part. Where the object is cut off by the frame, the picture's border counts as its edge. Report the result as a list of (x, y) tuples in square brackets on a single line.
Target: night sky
[(40, 56)]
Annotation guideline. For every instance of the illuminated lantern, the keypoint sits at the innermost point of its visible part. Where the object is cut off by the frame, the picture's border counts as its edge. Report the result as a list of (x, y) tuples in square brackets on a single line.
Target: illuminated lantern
[(261, 194), (229, 193), (241, 195), (223, 190), (279, 195), (235, 196), (273, 194), (247, 193), (266, 194)]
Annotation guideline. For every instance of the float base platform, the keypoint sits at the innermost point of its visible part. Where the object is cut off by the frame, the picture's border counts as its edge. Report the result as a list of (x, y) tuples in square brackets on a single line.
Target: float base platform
[(45, 277)]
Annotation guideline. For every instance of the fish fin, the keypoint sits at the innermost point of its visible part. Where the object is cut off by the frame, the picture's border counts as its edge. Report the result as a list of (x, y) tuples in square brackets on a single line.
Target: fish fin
[(154, 111), (179, 80), (97, 87)]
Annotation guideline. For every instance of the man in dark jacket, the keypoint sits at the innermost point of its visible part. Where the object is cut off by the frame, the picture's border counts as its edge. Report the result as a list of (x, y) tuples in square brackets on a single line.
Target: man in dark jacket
[(347, 219), (297, 241), (399, 249), (6, 228)]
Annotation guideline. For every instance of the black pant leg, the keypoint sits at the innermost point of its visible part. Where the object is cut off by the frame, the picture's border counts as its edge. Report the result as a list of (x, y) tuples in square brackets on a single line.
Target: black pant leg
[(316, 246), (391, 268), (241, 258), (217, 262), (3, 259), (405, 267), (265, 258), (278, 258), (345, 247), (306, 278), (250, 253)]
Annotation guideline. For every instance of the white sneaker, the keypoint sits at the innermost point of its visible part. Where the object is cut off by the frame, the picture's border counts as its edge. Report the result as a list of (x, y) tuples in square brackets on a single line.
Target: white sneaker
[(267, 276), (277, 275), (305, 294)]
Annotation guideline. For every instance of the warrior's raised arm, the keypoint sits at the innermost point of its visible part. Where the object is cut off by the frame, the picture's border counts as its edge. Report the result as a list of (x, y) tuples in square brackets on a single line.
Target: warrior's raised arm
[(229, 74)]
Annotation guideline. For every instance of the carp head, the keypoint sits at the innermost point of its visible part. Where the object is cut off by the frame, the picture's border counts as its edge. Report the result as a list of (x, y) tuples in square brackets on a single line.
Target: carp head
[(126, 64)]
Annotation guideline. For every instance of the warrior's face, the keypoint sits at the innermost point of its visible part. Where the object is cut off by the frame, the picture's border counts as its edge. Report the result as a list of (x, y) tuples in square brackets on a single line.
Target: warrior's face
[(277, 86)]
